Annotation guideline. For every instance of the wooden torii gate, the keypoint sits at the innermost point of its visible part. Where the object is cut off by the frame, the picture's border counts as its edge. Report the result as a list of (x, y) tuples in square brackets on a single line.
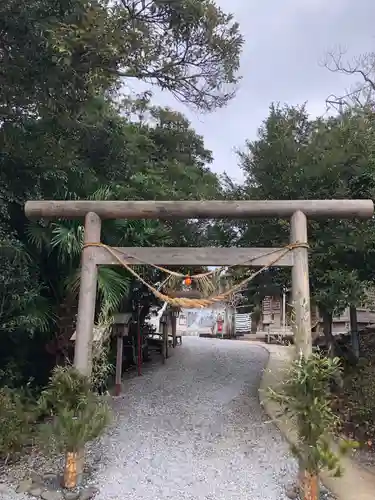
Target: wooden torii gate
[(296, 210)]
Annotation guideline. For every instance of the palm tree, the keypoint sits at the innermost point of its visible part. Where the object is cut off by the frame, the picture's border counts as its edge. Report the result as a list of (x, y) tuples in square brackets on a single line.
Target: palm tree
[(22, 305), (56, 247)]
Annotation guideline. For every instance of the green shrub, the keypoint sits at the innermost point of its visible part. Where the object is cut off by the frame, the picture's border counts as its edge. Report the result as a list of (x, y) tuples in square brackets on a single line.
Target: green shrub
[(17, 418), (305, 397), (355, 404), (70, 430), (67, 389), (79, 415), (358, 406)]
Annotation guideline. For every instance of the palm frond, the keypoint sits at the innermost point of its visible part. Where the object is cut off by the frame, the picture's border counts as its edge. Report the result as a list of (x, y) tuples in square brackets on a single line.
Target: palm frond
[(137, 232), (103, 193), (67, 238), (73, 281), (38, 235), (38, 314), (115, 232), (113, 285), (67, 195), (14, 252)]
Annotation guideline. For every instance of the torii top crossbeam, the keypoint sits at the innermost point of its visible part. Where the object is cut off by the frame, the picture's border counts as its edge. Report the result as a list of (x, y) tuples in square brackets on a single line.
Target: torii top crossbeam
[(341, 209)]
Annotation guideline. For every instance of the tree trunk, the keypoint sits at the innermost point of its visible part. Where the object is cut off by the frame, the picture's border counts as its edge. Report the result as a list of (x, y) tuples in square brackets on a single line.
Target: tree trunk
[(66, 322), (73, 469), (327, 330), (354, 331), (254, 325), (309, 487), (256, 316), (315, 322)]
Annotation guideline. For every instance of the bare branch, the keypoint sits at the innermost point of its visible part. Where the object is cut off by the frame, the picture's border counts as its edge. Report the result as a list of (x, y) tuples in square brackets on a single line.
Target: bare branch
[(363, 91)]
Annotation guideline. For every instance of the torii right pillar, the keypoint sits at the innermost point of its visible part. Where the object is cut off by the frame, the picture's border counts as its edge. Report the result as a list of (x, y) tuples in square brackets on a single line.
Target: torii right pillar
[(300, 285)]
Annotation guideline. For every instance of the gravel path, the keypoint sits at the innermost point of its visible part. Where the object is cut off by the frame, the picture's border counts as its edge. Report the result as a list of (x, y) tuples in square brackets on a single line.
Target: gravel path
[(193, 429)]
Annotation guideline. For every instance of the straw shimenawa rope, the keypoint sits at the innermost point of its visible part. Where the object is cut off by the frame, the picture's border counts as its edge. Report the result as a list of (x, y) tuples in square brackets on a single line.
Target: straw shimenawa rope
[(195, 303)]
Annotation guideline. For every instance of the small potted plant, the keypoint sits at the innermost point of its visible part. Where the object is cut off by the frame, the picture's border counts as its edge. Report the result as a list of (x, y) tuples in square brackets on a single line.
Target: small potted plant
[(305, 397), (78, 416)]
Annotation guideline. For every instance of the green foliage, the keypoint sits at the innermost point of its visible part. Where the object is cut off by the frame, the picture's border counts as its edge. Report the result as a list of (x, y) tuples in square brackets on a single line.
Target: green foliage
[(21, 305), (91, 141), (102, 365), (190, 48), (361, 401), (67, 388), (304, 396), (296, 157), (47, 46), (17, 417), (70, 430), (78, 414), (164, 159), (356, 402)]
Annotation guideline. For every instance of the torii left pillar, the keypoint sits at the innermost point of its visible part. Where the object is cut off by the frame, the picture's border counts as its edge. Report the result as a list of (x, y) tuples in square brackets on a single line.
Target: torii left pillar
[(86, 311), (87, 297)]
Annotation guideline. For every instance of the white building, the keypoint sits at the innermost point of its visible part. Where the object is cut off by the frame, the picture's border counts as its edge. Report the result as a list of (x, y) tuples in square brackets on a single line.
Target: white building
[(200, 321)]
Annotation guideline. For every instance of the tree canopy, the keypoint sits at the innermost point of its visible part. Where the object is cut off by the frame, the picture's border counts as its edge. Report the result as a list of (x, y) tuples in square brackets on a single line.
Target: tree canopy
[(69, 129), (296, 157), (55, 56)]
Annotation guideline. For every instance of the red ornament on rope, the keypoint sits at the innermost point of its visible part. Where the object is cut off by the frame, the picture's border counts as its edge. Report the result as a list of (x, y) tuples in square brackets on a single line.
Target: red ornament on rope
[(187, 281)]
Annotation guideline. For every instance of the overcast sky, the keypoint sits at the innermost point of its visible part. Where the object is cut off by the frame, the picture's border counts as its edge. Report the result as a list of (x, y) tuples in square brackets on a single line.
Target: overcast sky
[(285, 43)]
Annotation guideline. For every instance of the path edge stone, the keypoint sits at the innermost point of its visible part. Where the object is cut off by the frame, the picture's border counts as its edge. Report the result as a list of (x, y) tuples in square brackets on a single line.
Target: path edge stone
[(356, 482)]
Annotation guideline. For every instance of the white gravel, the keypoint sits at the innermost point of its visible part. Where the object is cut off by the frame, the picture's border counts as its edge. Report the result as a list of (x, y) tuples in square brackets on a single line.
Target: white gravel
[(8, 494), (194, 429)]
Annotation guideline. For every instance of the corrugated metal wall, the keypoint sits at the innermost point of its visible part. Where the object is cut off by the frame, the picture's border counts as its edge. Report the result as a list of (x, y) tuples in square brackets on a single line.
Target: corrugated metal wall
[(243, 322)]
